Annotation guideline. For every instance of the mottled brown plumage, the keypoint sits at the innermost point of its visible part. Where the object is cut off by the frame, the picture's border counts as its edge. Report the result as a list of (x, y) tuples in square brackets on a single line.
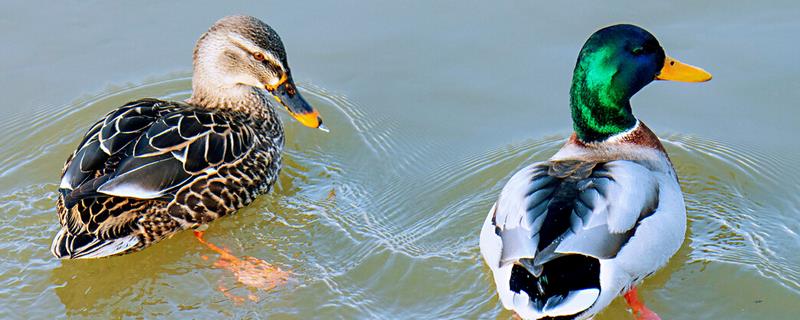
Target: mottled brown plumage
[(151, 168)]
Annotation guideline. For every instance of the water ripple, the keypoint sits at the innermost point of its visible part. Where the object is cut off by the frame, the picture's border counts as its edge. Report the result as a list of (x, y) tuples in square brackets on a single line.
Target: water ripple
[(372, 222), (731, 195)]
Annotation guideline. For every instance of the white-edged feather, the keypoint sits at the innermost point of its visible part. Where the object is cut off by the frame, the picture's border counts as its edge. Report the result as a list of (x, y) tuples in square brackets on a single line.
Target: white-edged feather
[(96, 248)]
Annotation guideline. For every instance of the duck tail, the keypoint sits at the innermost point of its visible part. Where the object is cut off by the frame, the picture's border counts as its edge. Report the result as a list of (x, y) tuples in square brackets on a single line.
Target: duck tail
[(86, 246), (562, 288)]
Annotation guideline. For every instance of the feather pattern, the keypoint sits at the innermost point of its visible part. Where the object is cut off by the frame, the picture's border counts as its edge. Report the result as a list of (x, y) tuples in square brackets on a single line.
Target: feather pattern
[(152, 167), (573, 207)]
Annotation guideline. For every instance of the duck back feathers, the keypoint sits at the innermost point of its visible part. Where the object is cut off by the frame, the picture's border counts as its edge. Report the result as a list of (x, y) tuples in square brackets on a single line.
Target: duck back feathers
[(152, 167)]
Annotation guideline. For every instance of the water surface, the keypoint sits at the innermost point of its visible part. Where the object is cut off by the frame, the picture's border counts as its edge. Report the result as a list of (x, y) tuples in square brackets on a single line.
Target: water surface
[(432, 106)]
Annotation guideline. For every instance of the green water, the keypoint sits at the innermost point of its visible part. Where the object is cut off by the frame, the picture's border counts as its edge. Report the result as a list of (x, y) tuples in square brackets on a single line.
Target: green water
[(431, 106)]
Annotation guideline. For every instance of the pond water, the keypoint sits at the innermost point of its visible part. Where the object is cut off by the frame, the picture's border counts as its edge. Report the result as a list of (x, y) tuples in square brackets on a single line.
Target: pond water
[(431, 106)]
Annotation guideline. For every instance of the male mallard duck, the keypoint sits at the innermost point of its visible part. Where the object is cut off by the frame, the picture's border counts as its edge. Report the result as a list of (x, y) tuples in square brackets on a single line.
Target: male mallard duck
[(568, 235), (152, 168)]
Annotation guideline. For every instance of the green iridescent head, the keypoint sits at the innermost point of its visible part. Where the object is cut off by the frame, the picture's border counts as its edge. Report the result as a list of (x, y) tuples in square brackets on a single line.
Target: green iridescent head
[(614, 64)]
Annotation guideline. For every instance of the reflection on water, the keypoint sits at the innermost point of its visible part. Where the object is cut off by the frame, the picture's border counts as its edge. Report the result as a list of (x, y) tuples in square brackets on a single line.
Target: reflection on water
[(376, 224)]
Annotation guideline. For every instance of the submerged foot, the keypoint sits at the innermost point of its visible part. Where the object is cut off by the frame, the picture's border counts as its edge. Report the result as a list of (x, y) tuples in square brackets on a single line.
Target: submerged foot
[(640, 311), (252, 272)]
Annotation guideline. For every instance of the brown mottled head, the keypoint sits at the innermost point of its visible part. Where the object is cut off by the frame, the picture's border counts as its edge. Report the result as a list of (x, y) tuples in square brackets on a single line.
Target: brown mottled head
[(241, 52)]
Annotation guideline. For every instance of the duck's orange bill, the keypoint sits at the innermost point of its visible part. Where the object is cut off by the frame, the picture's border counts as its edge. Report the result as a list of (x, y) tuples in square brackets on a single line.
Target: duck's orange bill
[(675, 70), (310, 119), (286, 94)]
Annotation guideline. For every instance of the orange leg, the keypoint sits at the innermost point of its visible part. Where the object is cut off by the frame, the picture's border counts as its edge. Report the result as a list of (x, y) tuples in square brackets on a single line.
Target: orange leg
[(640, 311), (224, 255)]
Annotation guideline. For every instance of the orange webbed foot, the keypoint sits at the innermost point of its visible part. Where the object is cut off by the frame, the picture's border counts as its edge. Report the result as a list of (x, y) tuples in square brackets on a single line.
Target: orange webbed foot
[(249, 271)]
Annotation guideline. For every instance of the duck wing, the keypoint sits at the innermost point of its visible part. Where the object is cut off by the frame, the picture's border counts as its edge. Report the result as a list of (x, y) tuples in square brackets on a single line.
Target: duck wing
[(552, 224), (132, 161), (149, 148)]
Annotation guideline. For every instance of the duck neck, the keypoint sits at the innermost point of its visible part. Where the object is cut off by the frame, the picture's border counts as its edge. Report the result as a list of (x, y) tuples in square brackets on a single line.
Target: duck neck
[(237, 98), (600, 109)]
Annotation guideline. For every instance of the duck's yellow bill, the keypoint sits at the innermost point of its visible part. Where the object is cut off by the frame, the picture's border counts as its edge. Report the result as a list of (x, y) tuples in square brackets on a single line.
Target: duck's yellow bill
[(675, 70)]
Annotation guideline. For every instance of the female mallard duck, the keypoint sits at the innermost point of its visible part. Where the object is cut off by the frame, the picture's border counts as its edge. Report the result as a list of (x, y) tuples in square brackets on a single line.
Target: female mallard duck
[(152, 168), (568, 235)]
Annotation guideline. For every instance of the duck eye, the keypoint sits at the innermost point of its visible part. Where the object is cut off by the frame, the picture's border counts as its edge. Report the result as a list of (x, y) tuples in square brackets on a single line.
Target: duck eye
[(258, 56), (637, 51)]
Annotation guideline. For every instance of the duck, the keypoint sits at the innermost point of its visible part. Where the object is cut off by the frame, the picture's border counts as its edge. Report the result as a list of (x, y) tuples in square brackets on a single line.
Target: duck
[(152, 168), (568, 235)]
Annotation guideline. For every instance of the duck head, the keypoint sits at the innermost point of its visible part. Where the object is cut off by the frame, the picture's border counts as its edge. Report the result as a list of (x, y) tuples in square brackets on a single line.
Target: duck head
[(239, 53), (614, 64)]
